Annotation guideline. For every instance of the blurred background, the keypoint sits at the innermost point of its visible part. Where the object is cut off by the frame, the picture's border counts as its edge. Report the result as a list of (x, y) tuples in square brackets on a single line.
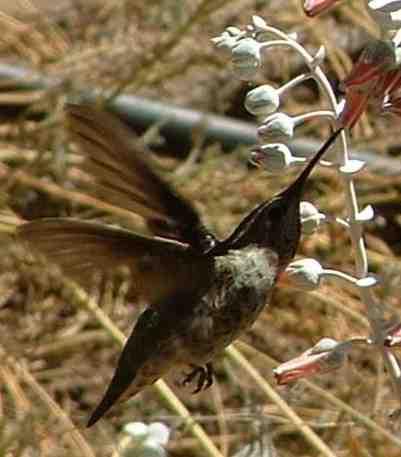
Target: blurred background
[(52, 347)]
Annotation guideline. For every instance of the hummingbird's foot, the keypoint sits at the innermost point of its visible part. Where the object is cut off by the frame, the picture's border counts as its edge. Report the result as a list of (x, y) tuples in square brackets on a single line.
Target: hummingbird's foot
[(204, 375)]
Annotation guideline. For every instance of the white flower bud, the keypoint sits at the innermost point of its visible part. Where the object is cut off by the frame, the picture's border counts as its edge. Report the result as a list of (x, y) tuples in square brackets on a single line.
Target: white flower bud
[(278, 126), (323, 345), (311, 218), (274, 157), (228, 39), (234, 31), (259, 22), (352, 167), (246, 57), (262, 100), (304, 274)]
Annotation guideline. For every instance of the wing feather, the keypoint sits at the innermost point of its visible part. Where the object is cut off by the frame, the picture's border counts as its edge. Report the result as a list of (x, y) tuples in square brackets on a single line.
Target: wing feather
[(157, 267), (123, 178)]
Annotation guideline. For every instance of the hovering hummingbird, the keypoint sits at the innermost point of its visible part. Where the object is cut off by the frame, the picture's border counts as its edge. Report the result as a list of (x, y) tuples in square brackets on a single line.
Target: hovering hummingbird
[(201, 292)]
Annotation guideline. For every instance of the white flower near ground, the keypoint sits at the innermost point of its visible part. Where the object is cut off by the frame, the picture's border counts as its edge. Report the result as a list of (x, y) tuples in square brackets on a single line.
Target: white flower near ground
[(146, 440)]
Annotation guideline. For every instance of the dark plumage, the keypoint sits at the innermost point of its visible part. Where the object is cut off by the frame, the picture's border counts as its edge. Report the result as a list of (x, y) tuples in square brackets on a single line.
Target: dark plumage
[(201, 292)]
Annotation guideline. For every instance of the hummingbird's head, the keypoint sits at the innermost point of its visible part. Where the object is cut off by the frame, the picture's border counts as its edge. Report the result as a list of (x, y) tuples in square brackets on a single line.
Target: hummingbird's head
[(276, 224), (279, 226), (279, 219)]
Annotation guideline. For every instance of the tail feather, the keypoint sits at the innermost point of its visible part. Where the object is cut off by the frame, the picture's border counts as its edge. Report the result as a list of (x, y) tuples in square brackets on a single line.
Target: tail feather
[(120, 383), (127, 381)]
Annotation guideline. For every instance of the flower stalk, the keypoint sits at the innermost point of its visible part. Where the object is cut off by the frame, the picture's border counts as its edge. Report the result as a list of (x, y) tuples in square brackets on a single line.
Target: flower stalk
[(268, 155)]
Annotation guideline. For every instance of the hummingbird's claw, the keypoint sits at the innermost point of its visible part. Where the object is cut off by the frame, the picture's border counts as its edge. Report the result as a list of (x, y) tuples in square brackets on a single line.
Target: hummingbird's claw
[(205, 377), (209, 376)]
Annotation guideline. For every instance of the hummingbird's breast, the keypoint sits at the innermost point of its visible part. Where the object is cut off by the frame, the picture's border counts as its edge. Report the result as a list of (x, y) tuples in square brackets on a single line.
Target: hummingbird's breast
[(244, 280)]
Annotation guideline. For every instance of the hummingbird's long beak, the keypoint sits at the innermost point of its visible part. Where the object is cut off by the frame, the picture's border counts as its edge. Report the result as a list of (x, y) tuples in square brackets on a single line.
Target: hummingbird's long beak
[(297, 186)]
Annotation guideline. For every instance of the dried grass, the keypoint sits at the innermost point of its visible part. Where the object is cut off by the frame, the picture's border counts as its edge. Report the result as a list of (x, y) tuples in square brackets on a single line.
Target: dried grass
[(56, 357)]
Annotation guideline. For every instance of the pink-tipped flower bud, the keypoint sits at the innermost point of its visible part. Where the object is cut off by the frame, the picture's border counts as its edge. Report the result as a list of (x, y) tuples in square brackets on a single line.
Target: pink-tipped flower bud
[(315, 7), (327, 355)]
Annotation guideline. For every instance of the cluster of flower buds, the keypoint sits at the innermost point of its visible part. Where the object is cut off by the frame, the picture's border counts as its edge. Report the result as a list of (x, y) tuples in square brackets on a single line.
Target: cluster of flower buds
[(374, 76), (247, 48), (374, 79), (143, 440)]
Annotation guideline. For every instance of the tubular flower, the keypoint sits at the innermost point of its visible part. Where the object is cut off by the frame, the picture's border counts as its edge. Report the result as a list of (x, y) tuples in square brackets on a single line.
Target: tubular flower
[(386, 13), (373, 77), (327, 355), (314, 7)]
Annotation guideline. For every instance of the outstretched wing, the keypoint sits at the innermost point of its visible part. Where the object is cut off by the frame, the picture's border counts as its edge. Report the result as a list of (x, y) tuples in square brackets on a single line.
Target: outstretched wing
[(122, 177), (157, 267)]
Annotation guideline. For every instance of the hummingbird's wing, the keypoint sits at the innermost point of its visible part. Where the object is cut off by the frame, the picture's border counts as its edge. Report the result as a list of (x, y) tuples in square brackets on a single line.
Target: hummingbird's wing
[(123, 178), (157, 267)]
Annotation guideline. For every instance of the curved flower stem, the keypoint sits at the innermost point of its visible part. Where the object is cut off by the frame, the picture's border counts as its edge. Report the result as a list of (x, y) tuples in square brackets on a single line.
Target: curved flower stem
[(294, 81), (322, 114), (339, 274), (374, 311)]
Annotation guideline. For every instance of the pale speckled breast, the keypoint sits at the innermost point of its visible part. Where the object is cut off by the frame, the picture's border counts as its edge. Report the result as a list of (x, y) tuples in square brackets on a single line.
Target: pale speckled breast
[(243, 286)]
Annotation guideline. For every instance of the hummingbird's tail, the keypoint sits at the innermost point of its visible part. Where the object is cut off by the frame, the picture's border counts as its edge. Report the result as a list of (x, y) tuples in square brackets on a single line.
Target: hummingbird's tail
[(122, 386), (135, 368)]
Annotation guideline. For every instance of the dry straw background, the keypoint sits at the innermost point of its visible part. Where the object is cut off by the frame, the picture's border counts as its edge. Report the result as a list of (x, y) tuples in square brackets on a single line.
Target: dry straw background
[(58, 346)]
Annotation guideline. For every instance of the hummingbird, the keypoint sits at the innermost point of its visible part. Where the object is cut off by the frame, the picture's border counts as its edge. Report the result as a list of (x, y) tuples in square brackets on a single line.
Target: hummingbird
[(201, 292)]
